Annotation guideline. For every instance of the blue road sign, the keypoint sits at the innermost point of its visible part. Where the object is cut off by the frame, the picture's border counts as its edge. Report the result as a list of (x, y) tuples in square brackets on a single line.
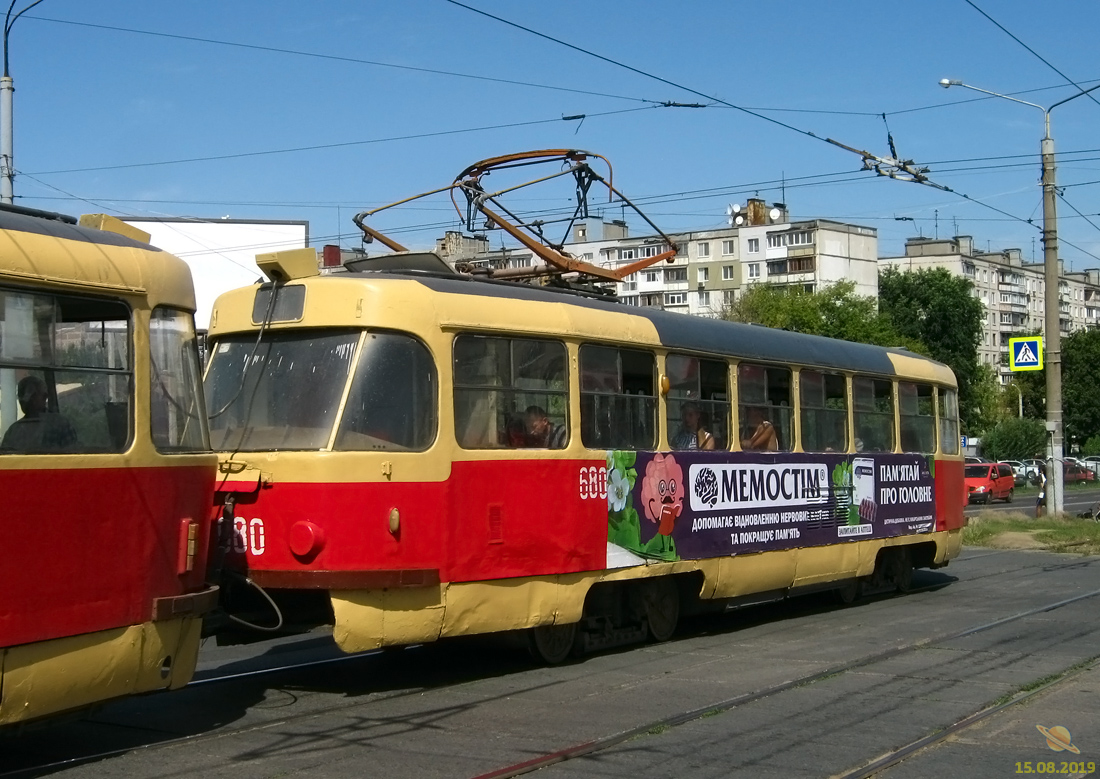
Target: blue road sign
[(1025, 353)]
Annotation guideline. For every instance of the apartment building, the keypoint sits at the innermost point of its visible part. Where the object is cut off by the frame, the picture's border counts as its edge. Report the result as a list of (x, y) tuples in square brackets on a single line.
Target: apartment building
[(711, 266), (1012, 291)]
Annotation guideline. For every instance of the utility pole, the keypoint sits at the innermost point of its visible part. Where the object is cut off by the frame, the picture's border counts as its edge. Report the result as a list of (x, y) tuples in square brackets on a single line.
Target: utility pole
[(1052, 325), (7, 123)]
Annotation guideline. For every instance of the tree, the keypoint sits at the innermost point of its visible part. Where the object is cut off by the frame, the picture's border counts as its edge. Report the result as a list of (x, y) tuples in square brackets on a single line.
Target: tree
[(987, 401), (939, 309), (1015, 439), (1081, 385), (836, 312)]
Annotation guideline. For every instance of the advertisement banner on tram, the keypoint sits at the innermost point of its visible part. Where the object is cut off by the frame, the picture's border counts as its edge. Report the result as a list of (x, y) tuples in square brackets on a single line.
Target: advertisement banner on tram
[(693, 505)]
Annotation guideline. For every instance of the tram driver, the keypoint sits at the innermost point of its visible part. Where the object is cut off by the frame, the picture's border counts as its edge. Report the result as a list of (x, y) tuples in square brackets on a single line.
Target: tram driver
[(541, 432), (38, 430)]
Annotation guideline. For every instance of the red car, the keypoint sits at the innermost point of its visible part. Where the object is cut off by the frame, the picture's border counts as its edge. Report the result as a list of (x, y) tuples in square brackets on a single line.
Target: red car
[(1073, 473), (988, 482)]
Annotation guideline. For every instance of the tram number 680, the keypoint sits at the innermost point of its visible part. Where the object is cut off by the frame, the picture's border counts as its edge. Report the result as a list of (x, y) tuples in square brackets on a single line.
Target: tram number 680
[(248, 536), (593, 482)]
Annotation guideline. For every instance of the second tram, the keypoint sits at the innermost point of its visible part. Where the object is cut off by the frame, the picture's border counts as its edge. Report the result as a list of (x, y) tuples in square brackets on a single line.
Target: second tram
[(106, 471)]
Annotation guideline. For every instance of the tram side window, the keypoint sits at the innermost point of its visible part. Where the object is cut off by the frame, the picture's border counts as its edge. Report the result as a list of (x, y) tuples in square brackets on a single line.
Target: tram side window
[(392, 403), (873, 400), (918, 417), (698, 406), (824, 403), (764, 406), (949, 421), (618, 398), (66, 374), (510, 393), (177, 412)]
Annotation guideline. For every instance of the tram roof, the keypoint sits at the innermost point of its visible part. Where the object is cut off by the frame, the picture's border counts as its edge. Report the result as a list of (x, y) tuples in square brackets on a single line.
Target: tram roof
[(701, 334), (39, 250)]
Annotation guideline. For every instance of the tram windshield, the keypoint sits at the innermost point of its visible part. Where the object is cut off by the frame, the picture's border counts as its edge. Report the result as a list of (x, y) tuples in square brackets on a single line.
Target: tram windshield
[(281, 394)]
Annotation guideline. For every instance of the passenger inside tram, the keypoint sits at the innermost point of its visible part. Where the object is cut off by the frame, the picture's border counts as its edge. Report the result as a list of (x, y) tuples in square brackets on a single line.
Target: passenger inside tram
[(38, 430), (759, 433)]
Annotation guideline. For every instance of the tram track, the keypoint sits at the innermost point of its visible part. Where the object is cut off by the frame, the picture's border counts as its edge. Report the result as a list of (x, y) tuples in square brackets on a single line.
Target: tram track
[(570, 752), (720, 707), (914, 747)]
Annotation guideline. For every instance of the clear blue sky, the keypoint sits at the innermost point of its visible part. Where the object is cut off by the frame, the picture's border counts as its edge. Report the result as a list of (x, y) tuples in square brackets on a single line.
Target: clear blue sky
[(92, 97)]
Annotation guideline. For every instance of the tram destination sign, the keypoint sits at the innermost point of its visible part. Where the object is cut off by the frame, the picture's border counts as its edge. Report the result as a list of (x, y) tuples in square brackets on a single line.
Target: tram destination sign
[(693, 505)]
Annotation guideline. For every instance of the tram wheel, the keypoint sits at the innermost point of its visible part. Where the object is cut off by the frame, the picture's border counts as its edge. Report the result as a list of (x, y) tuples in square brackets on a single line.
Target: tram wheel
[(661, 599), (899, 569), (552, 644), (849, 593)]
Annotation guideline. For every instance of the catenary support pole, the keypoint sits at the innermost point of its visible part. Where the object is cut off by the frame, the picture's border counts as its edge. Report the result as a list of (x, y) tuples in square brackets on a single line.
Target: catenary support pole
[(1053, 336)]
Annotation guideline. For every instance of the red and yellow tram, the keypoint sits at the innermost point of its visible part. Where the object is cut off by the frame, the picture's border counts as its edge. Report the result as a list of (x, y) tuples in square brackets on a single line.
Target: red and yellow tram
[(105, 466), (432, 455)]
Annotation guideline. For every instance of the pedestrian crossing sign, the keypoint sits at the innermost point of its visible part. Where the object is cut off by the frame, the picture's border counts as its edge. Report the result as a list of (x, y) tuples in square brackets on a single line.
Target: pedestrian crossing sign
[(1025, 353)]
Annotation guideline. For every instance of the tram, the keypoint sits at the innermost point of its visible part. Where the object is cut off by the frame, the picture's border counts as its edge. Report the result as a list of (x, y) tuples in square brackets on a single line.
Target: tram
[(106, 471), (428, 454)]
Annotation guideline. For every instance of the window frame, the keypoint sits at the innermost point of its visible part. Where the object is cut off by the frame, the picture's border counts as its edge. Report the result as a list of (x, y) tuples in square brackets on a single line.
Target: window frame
[(582, 376), (803, 408), (50, 367), (512, 389), (859, 430), (435, 404)]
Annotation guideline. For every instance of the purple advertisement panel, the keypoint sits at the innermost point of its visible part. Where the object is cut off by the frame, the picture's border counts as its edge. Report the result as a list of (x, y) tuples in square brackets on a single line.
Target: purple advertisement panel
[(691, 505)]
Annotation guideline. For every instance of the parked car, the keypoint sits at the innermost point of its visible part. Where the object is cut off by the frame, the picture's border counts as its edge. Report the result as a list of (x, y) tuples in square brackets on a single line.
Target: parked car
[(987, 482), (1074, 472), (1092, 463), (1019, 470), (976, 460), (1034, 467)]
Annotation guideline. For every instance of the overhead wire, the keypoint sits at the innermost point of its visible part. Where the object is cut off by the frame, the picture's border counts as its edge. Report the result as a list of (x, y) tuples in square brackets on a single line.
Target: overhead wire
[(1036, 54), (339, 58), (343, 144), (696, 92)]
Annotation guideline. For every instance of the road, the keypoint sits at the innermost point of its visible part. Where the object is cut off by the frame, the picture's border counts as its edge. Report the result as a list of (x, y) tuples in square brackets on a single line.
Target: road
[(804, 688), (1077, 499)]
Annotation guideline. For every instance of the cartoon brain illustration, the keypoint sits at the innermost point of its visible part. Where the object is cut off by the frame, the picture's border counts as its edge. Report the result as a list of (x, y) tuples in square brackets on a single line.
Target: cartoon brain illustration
[(663, 492), (706, 486)]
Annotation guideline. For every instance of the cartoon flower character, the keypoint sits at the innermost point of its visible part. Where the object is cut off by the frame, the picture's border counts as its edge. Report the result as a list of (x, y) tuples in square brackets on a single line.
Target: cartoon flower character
[(663, 492)]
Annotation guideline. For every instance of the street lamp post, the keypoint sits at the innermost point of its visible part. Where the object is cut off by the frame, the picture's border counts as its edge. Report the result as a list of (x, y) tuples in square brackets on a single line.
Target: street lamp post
[(1019, 396), (1052, 326), (7, 126)]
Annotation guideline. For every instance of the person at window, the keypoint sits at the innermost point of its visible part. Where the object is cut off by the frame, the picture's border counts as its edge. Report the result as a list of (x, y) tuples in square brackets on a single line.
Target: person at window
[(38, 430), (759, 434), (541, 432), (692, 435)]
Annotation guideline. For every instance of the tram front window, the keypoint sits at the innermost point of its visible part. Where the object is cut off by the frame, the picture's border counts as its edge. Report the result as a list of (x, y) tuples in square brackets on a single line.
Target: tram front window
[(282, 394)]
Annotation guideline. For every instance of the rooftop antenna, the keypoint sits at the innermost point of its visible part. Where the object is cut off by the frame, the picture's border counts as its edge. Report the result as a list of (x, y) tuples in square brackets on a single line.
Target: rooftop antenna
[(955, 224), (783, 185), (937, 214)]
